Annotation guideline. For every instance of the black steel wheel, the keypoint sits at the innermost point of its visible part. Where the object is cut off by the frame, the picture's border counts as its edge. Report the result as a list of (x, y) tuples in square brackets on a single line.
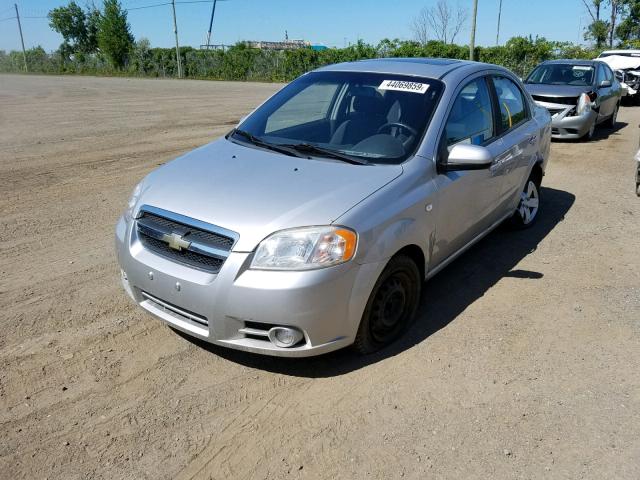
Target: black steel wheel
[(391, 306)]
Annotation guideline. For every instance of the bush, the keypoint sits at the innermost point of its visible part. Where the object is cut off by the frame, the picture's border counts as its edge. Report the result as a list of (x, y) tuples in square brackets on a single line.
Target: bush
[(240, 62)]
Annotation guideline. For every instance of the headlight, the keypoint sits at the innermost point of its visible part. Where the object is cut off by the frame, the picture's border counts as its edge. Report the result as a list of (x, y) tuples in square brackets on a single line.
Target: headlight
[(305, 248), (133, 199), (584, 104)]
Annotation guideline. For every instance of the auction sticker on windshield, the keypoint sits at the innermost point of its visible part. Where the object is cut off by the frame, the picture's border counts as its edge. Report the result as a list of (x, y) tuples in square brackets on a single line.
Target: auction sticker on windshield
[(402, 86)]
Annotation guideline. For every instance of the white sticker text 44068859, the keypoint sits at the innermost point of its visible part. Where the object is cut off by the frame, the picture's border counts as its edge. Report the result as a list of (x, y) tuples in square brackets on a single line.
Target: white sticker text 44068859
[(402, 86)]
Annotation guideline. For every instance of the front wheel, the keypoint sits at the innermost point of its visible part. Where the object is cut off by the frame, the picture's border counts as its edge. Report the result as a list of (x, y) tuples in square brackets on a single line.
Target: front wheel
[(590, 133), (391, 306), (527, 212), (611, 122)]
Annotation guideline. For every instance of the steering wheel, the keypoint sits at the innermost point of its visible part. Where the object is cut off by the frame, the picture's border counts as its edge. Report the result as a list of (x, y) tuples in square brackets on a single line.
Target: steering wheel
[(409, 129)]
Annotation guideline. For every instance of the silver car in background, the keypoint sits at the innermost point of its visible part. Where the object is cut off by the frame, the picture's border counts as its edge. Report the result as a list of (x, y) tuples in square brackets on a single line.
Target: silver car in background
[(579, 95), (313, 224)]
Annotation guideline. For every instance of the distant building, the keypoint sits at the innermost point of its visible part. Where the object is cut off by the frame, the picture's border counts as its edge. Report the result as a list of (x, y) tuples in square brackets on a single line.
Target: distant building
[(286, 45)]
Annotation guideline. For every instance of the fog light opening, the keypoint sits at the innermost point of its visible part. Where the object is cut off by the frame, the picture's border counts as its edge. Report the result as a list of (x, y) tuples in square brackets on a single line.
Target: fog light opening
[(285, 337)]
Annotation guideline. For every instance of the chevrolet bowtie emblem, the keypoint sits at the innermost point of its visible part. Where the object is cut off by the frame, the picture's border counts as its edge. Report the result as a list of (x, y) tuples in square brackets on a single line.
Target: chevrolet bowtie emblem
[(175, 241)]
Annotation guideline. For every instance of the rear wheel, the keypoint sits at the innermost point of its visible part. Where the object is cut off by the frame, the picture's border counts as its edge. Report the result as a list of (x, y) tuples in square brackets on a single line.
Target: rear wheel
[(527, 212), (391, 306)]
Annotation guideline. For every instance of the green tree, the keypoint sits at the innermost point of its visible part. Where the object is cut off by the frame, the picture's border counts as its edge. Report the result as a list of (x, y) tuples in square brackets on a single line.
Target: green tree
[(114, 34), (597, 31), (628, 30), (77, 27)]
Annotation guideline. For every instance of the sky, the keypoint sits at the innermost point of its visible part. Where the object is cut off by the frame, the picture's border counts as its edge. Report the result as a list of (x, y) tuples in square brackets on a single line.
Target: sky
[(325, 22)]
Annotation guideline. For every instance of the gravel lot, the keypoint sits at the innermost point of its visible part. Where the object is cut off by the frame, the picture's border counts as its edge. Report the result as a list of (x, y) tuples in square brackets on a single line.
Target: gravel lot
[(524, 363)]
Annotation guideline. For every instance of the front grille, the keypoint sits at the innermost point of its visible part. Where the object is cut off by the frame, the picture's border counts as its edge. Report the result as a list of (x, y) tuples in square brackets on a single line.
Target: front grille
[(187, 257), (213, 239), (557, 100), (199, 245)]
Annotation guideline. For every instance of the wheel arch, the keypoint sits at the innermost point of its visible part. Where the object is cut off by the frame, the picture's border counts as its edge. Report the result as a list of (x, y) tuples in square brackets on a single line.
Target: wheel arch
[(415, 253), (537, 172)]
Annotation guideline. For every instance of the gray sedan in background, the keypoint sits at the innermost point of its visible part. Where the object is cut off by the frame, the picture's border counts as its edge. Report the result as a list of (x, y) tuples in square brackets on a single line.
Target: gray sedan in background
[(579, 95), (313, 224)]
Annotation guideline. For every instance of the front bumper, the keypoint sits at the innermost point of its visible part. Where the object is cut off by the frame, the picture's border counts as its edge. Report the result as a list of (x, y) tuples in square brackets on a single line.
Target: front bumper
[(572, 127), (232, 307), (564, 125)]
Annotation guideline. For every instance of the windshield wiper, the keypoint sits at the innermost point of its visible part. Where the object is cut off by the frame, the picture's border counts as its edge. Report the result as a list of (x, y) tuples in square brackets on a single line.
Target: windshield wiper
[(261, 143), (325, 152)]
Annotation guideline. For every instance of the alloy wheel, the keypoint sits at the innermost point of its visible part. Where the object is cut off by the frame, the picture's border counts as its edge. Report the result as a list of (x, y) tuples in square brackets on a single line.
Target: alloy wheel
[(529, 203)]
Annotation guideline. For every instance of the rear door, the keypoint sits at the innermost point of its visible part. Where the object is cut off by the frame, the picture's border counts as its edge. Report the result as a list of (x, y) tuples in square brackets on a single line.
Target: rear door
[(516, 142)]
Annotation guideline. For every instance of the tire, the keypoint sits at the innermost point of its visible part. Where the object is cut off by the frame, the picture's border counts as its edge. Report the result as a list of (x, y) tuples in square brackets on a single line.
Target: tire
[(528, 209), (587, 137), (613, 119), (391, 307)]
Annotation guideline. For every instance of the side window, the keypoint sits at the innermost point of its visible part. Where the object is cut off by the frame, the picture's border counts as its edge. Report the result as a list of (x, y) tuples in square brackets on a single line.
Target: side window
[(511, 101), (609, 74), (311, 104), (471, 118), (601, 77)]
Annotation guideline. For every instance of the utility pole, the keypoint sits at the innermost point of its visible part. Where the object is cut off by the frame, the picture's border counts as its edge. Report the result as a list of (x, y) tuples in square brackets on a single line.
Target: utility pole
[(24, 53), (175, 30), (472, 43), (213, 12), (499, 18)]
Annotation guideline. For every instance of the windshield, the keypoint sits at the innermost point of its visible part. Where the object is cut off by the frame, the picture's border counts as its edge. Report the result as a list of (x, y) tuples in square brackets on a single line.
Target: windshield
[(562, 74), (377, 118)]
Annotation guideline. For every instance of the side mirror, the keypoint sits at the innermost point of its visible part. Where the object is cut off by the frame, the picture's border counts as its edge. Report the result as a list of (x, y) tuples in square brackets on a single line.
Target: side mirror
[(605, 84), (465, 156)]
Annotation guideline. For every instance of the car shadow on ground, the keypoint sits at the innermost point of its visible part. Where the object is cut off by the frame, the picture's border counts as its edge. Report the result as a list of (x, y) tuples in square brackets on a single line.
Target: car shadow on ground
[(444, 297), (603, 133)]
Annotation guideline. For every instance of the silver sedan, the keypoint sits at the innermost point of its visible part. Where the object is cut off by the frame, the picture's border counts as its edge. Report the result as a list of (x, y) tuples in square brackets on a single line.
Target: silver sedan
[(579, 94), (313, 224)]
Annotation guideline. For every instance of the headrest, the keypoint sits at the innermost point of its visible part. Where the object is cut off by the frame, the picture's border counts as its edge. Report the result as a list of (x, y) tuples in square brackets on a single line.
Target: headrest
[(367, 100)]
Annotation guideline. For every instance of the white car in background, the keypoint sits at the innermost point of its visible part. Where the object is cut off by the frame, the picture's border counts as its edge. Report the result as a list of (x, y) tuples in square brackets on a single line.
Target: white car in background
[(626, 66)]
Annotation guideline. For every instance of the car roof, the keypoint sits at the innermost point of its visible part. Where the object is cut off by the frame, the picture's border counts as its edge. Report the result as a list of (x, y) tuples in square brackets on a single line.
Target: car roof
[(628, 50), (424, 67), (571, 61)]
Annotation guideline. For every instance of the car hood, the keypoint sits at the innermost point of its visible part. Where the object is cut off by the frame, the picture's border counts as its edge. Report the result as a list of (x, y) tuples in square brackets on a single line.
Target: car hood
[(620, 62), (256, 192), (557, 90)]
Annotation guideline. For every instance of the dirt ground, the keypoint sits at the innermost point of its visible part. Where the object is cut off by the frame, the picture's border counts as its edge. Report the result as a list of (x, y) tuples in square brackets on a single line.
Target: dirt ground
[(524, 363)]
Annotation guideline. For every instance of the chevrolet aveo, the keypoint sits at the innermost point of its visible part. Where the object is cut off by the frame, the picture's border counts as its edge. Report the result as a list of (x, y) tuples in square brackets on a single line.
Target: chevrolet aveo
[(313, 224)]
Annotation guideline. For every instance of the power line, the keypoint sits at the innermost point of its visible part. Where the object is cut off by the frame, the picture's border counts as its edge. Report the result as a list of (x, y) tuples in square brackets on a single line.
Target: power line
[(148, 6), (7, 18)]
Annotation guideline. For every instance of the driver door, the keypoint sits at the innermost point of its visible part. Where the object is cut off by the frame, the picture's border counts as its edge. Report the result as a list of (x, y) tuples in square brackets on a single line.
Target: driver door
[(467, 199)]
